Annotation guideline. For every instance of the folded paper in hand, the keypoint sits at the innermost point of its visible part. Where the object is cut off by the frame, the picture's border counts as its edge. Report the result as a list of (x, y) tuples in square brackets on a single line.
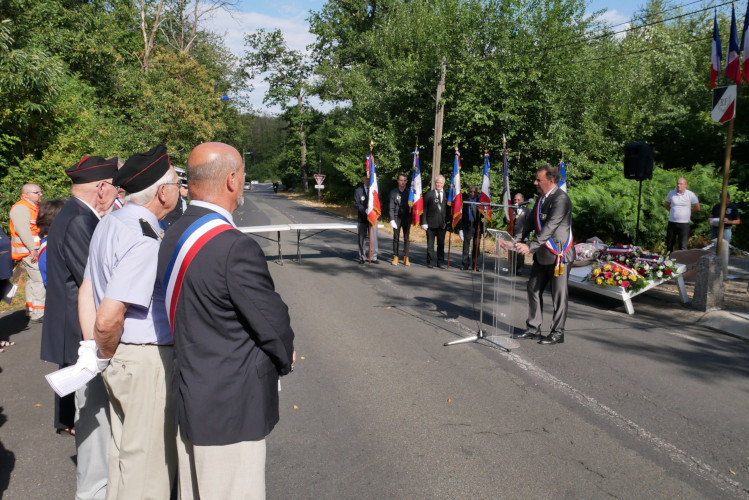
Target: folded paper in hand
[(69, 379)]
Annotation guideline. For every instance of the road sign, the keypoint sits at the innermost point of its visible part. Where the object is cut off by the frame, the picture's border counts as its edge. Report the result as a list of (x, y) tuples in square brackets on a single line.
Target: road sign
[(724, 103), (319, 178), (320, 186)]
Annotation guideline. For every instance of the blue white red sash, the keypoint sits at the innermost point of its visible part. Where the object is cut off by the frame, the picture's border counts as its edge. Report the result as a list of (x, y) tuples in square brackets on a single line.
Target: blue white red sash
[(192, 240), (42, 247), (551, 246)]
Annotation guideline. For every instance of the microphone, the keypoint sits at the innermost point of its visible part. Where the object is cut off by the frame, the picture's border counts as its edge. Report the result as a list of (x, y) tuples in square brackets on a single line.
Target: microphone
[(528, 202)]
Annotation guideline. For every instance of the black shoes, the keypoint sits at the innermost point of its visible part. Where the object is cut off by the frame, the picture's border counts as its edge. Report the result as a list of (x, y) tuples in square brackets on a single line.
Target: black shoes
[(553, 338), (430, 266), (375, 262), (528, 334)]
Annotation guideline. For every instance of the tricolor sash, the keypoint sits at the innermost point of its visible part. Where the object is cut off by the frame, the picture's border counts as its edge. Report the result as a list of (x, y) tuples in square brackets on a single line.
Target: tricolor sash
[(552, 246), (192, 240)]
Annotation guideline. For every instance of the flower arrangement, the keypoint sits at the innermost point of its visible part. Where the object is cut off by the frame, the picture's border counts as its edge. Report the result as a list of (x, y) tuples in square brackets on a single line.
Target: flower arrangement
[(630, 267)]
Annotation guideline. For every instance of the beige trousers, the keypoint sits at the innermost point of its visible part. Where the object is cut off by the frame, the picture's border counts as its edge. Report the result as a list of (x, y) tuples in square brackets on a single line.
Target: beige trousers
[(142, 453), (36, 294), (235, 471)]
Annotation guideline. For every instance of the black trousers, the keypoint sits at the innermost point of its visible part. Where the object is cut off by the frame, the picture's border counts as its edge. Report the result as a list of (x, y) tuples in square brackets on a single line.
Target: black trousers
[(401, 227), (439, 235), (676, 230), (541, 276), (471, 243)]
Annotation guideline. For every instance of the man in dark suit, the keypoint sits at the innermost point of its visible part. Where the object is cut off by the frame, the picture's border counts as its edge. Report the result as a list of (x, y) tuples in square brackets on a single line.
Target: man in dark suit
[(553, 251), (400, 218), (433, 221), (67, 252), (361, 202), (471, 228), (232, 335)]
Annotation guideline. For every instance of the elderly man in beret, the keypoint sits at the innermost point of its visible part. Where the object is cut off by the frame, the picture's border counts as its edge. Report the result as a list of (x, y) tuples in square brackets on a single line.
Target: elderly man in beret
[(121, 306), (67, 250)]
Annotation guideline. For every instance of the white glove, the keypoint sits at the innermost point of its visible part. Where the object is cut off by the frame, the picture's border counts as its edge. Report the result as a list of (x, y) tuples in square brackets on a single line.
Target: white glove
[(88, 359), (393, 224), (424, 227), (460, 233)]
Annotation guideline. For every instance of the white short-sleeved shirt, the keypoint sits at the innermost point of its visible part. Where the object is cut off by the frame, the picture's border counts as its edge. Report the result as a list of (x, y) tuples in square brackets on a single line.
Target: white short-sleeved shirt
[(122, 265), (681, 205)]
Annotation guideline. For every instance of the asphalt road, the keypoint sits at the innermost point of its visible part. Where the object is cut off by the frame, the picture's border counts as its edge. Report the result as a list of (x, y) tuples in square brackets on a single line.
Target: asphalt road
[(645, 406)]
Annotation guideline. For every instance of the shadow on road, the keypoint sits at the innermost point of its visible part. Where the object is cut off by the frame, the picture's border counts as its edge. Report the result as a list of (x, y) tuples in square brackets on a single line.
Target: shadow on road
[(7, 458)]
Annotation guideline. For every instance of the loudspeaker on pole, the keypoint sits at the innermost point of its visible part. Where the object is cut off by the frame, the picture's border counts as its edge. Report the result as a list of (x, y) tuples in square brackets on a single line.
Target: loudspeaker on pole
[(638, 161)]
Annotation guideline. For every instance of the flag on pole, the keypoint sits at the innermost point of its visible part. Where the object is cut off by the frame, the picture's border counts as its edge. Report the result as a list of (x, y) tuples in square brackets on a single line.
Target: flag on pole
[(717, 54), (414, 195), (745, 47), (563, 176), (486, 196), (509, 214), (373, 203), (455, 197), (733, 68)]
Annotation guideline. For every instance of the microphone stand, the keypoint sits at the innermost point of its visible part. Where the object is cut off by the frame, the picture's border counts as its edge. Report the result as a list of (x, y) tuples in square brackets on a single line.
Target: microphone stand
[(480, 334)]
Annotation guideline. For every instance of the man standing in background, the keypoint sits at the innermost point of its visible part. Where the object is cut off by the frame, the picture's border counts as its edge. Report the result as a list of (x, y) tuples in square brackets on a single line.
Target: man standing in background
[(681, 203), (400, 217), (24, 241), (433, 221), (67, 250)]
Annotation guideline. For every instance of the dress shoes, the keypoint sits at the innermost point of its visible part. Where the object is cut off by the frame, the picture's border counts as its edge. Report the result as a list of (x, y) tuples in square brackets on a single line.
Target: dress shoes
[(430, 266), (375, 262), (552, 338), (361, 261), (528, 334)]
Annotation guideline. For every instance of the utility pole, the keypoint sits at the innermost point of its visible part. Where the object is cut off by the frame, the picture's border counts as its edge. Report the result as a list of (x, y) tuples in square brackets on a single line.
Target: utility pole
[(438, 117)]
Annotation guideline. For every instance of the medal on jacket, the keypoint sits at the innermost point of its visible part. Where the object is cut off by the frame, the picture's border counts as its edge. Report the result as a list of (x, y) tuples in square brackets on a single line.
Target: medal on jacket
[(551, 246)]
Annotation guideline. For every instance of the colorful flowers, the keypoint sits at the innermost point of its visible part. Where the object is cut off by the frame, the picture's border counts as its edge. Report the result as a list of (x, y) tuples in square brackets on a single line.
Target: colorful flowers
[(630, 267)]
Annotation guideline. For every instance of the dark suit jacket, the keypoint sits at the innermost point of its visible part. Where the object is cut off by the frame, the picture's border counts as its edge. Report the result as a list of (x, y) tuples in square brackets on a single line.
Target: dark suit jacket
[(523, 223), (556, 214), (465, 220), (400, 211), (435, 213), (67, 252), (361, 204), (232, 339)]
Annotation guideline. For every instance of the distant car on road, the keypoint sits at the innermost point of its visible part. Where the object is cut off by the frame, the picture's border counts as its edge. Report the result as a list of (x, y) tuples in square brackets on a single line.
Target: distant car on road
[(247, 186)]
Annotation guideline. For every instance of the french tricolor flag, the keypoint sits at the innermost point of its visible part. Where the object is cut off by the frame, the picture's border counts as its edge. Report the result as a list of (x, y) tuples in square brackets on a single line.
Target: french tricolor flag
[(733, 69), (744, 43), (717, 54)]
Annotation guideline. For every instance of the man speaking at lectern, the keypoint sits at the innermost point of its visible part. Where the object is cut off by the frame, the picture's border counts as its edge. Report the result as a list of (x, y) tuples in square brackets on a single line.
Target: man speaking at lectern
[(553, 251)]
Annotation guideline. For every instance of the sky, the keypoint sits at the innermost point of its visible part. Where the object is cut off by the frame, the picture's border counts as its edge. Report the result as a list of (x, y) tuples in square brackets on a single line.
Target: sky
[(290, 16)]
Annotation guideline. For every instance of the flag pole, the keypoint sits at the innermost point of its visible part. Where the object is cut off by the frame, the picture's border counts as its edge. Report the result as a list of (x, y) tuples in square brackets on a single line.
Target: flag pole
[(724, 192), (371, 159)]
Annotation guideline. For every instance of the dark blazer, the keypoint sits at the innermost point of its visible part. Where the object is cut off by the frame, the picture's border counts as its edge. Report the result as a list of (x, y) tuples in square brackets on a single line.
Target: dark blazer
[(435, 213), (67, 252), (465, 220), (523, 223), (361, 204), (556, 215), (400, 211), (232, 338)]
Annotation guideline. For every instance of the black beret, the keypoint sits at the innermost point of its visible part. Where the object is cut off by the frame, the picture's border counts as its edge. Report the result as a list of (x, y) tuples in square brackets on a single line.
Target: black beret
[(142, 170), (91, 169)]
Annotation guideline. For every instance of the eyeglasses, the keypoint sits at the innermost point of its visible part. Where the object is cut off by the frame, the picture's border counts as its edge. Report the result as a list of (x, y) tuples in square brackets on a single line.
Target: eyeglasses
[(35, 192), (178, 184), (118, 188)]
